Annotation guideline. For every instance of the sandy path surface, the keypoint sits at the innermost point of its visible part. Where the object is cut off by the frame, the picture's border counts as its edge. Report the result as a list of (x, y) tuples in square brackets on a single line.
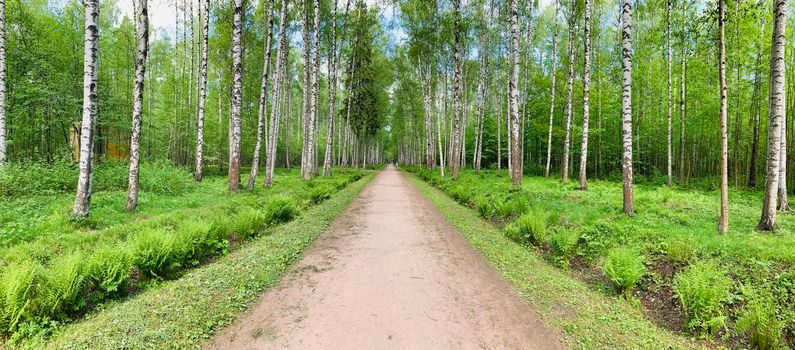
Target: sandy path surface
[(390, 273)]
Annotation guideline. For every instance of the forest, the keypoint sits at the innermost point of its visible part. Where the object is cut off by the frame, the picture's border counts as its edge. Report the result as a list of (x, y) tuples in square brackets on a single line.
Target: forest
[(639, 149)]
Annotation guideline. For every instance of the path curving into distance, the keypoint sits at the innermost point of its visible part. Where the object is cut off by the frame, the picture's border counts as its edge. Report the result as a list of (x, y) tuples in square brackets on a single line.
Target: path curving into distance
[(389, 273)]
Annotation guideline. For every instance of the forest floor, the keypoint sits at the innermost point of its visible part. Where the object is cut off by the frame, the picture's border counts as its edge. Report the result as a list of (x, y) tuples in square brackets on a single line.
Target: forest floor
[(391, 272)]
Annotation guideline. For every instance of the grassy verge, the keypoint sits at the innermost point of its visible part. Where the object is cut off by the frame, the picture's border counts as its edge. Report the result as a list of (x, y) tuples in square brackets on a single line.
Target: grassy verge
[(183, 313), (588, 319), (738, 289), (59, 276)]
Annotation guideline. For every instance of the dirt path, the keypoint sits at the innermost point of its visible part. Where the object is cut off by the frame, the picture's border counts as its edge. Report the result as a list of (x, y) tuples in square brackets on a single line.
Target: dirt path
[(390, 272)]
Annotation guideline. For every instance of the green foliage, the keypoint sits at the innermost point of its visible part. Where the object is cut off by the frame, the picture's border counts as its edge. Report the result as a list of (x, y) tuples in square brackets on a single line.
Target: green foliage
[(703, 288), (17, 286), (461, 193), (624, 267), (530, 228), (280, 209), (319, 194), (34, 178), (681, 251), (563, 243), (108, 268), (758, 319), (484, 207), (156, 254)]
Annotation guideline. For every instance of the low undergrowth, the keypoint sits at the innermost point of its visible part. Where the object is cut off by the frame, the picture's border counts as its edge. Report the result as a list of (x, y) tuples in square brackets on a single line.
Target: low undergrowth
[(737, 290), (59, 276)]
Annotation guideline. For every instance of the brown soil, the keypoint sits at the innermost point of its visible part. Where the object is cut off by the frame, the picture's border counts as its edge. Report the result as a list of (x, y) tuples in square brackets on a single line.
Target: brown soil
[(390, 272)]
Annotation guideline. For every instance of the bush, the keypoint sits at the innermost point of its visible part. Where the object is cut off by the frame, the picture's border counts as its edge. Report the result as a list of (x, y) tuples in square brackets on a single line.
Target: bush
[(156, 253), (483, 205), (319, 194), (506, 208), (563, 242), (529, 228), (681, 251), (624, 267), (248, 222), (18, 288), (702, 288), (62, 282), (758, 319), (108, 268), (461, 193), (280, 209)]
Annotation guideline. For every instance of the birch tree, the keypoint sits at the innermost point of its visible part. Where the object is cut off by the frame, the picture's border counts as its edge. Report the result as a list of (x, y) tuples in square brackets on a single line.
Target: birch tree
[(3, 131), (332, 92), (142, 30), (263, 98), (776, 113), (90, 77), (273, 124), (315, 89), (626, 106), (457, 93), (552, 90), (670, 95), (586, 99), (235, 120), (564, 172), (513, 89), (723, 224), (202, 91)]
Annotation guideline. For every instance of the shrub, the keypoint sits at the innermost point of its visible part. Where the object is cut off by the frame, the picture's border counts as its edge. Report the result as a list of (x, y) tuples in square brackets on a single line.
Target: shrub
[(681, 251), (624, 267), (529, 228), (483, 205), (563, 242), (702, 288), (319, 194), (461, 193), (280, 209), (18, 287), (108, 268), (62, 282), (758, 319), (154, 252), (248, 222), (509, 207)]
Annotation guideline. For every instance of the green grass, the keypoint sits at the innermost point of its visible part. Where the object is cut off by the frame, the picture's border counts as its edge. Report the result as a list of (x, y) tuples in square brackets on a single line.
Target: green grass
[(183, 313), (66, 270), (585, 318), (673, 229)]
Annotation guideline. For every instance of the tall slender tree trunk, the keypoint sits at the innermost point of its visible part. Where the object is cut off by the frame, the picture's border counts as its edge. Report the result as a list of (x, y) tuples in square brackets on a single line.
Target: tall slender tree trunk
[(755, 110), (783, 201), (457, 93), (626, 105), (513, 90), (564, 171), (439, 132), (273, 125), (198, 173), (552, 90), (332, 88), (142, 30), (723, 224), (3, 131), (586, 98), (307, 91), (683, 97), (237, 97), (776, 114), (313, 112), (670, 94), (90, 60), (263, 98)]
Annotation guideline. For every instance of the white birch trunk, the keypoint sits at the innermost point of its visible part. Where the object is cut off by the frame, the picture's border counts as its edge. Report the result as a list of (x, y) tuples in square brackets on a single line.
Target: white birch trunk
[(553, 89), (90, 60), (273, 124), (723, 224), (586, 98), (513, 89), (332, 91), (626, 106), (237, 97), (263, 98), (142, 30), (3, 131), (198, 173), (564, 170)]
